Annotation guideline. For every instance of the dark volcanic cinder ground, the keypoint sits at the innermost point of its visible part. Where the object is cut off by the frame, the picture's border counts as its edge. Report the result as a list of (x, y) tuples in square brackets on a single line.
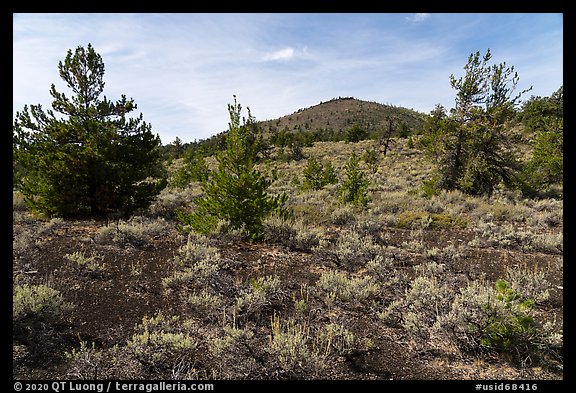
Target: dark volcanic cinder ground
[(109, 305)]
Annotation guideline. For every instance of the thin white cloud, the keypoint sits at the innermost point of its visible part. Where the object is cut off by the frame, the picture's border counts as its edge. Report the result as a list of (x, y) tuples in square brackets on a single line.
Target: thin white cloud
[(418, 17), (280, 55)]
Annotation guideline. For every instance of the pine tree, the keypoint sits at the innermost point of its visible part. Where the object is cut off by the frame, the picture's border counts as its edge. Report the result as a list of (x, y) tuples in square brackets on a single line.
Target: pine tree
[(544, 119), (472, 146), (318, 175), (355, 186), (91, 160), (236, 191)]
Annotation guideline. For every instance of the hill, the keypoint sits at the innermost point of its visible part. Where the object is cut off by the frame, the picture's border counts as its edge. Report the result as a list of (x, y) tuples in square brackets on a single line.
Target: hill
[(326, 121), (340, 114)]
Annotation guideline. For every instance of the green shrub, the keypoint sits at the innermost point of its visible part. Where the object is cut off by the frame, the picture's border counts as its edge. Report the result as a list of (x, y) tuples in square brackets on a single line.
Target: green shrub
[(356, 133), (494, 318), (159, 341), (371, 158), (37, 300)]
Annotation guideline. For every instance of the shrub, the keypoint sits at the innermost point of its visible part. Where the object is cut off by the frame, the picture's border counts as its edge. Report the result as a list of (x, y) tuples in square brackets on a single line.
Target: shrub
[(197, 263), (371, 159), (91, 264), (159, 341), (293, 346), (37, 300), (356, 133), (422, 304), (343, 216), (444, 220), (529, 283), (261, 293), (293, 234), (337, 285), (336, 338), (206, 304), (171, 200), (494, 318), (351, 249), (137, 231)]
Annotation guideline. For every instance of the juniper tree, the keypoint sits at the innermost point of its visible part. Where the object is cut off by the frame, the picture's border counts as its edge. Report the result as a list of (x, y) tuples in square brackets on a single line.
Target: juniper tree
[(236, 191), (92, 159)]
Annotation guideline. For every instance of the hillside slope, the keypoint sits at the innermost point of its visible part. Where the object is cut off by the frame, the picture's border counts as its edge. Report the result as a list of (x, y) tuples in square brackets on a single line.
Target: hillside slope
[(339, 114)]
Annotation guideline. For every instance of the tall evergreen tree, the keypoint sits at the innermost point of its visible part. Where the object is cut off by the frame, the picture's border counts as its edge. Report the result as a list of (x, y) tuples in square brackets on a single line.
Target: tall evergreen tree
[(92, 159), (472, 146)]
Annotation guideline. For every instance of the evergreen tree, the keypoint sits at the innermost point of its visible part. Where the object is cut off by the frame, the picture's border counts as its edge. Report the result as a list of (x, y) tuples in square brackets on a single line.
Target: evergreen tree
[(356, 133), (355, 186), (313, 174), (544, 119), (318, 175), (91, 160), (236, 191), (472, 146)]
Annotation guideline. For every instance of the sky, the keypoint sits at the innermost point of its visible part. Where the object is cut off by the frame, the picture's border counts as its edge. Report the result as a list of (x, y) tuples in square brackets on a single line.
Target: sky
[(183, 69)]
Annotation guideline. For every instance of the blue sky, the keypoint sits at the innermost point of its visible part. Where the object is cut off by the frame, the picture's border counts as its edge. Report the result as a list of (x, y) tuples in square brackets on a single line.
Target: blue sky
[(184, 69)]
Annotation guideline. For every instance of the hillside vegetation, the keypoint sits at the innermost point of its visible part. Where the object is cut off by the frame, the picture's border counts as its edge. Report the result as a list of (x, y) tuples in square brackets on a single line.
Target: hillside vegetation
[(431, 255), (336, 116), (380, 293)]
